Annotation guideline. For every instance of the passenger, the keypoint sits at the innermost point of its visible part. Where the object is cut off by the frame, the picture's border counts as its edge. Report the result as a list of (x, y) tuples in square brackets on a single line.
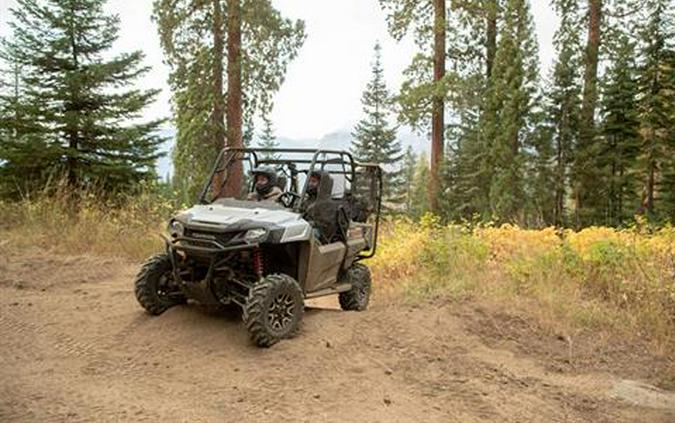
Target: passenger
[(317, 205), (312, 189), (266, 188), (313, 184)]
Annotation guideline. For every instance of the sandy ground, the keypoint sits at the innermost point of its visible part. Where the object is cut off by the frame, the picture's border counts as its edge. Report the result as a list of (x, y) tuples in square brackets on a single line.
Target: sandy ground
[(75, 346)]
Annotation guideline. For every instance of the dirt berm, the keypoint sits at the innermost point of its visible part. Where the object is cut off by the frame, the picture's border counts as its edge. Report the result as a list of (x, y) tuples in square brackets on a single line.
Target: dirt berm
[(75, 346)]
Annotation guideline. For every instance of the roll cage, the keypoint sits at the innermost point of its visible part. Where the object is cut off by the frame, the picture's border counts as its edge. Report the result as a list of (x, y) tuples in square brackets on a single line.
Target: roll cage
[(294, 162)]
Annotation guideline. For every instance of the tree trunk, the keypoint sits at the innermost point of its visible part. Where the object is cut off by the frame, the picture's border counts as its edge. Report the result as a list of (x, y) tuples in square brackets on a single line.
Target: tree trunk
[(587, 179), (235, 175), (590, 96), (72, 130), (437, 124), (491, 36), (560, 175), (218, 116), (648, 201)]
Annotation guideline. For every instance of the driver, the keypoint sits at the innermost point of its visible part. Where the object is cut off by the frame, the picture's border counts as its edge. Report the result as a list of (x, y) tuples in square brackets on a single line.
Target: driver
[(266, 188)]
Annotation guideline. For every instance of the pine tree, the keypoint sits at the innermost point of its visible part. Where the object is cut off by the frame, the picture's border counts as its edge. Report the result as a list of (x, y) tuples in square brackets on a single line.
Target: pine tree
[(657, 110), (467, 167), (508, 111), (470, 40), (76, 98), (564, 101), (194, 36), (267, 138), (423, 93), (233, 117), (467, 192), (20, 138), (374, 139), (586, 180), (620, 131), (540, 171)]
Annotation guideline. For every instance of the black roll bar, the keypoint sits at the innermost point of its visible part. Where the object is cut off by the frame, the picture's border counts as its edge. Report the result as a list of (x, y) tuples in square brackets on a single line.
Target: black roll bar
[(226, 155)]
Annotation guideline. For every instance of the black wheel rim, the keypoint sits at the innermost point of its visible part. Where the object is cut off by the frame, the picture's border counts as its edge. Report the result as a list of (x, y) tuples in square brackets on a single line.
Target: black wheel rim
[(281, 312), (165, 286)]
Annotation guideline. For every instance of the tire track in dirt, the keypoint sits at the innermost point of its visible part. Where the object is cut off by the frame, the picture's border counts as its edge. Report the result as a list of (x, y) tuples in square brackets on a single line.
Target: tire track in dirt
[(80, 377), (64, 399)]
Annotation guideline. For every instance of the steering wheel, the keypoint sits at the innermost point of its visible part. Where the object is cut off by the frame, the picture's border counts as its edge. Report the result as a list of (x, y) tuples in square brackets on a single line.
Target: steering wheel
[(288, 198)]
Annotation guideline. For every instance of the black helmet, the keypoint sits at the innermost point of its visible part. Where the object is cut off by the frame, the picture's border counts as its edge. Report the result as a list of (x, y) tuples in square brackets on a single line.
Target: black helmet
[(271, 175)]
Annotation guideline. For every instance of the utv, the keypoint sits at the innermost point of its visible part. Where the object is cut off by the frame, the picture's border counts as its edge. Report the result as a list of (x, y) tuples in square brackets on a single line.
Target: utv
[(268, 256)]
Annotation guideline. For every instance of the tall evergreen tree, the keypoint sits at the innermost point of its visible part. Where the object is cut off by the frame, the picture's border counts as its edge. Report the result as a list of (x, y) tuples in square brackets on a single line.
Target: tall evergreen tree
[(438, 104), (586, 185), (508, 110), (620, 132), (540, 170), (374, 138), (471, 44), (194, 36), (424, 92), (267, 138), (657, 109), (20, 137), (564, 100), (468, 167), (78, 100), (234, 116)]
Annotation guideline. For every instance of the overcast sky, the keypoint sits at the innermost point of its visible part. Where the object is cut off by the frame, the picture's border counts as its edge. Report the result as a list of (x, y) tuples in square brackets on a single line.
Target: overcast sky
[(323, 85)]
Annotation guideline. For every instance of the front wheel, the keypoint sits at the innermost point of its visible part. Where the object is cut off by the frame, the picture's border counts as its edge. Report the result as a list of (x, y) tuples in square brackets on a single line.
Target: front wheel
[(358, 297), (155, 287), (273, 310)]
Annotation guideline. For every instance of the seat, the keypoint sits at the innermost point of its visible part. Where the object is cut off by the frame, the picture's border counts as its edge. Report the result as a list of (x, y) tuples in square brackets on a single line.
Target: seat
[(327, 215), (282, 180)]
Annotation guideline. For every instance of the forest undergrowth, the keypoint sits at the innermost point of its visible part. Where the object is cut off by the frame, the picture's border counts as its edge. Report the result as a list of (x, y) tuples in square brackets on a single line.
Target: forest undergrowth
[(598, 278)]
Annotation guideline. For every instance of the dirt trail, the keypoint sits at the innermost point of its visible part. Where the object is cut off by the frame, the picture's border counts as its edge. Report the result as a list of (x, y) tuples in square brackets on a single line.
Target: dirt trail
[(75, 346)]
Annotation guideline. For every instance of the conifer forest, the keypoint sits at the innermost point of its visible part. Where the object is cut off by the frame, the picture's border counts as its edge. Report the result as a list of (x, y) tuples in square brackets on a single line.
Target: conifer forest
[(591, 142)]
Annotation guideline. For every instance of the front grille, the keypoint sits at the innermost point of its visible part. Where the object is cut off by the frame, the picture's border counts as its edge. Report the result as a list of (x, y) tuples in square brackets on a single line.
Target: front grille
[(203, 244), (203, 237)]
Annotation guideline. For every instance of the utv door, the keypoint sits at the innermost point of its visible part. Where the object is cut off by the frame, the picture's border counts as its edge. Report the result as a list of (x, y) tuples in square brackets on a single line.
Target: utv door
[(320, 264)]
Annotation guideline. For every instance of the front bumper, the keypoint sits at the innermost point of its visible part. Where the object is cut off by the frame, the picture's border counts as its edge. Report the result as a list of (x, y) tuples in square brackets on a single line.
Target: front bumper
[(209, 252), (207, 247)]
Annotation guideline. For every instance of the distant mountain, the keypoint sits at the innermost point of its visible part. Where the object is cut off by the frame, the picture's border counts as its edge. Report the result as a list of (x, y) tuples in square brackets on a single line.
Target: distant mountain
[(338, 140), (341, 140)]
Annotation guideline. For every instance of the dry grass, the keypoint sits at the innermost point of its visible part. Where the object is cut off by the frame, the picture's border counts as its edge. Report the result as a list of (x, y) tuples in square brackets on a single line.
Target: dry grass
[(622, 281), (60, 224)]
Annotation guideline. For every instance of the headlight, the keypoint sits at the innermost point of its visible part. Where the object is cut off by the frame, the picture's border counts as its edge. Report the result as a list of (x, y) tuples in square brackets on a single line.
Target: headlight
[(176, 229), (255, 235)]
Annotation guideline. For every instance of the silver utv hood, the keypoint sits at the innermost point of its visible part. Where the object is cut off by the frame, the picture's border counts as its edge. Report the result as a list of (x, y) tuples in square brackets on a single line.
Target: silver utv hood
[(232, 215)]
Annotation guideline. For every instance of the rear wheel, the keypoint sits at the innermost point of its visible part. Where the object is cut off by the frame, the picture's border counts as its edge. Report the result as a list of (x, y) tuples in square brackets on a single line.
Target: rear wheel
[(155, 286), (358, 297), (273, 310)]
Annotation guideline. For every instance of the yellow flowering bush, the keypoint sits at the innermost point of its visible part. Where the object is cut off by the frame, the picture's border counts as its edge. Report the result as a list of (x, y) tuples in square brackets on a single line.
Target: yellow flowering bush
[(599, 275), (511, 242)]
